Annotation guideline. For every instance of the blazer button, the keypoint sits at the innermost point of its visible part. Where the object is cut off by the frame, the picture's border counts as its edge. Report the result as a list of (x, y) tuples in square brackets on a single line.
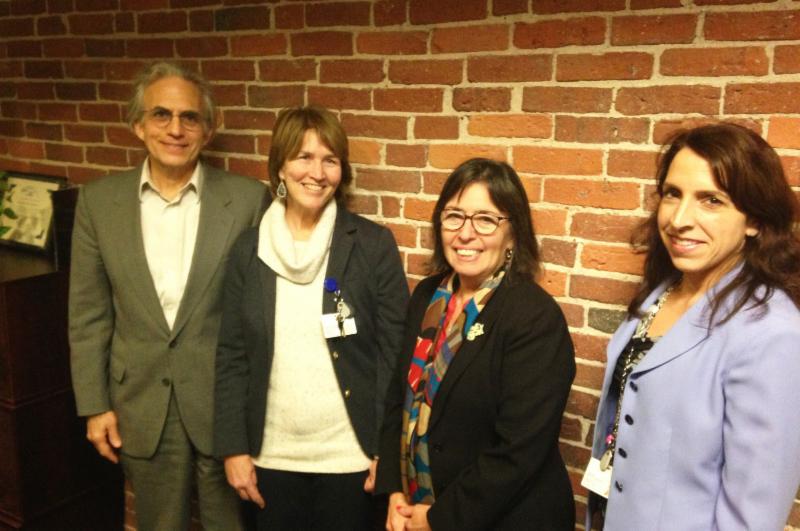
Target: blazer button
[(165, 382), (347, 393), (622, 453), (634, 386), (628, 419), (335, 355), (618, 486), (173, 343)]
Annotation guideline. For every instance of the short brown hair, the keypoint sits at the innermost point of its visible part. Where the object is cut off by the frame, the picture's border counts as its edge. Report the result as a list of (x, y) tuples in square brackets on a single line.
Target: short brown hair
[(287, 141)]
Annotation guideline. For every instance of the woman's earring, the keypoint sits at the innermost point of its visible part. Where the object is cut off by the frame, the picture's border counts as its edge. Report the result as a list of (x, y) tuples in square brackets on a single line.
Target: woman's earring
[(281, 191), (509, 256)]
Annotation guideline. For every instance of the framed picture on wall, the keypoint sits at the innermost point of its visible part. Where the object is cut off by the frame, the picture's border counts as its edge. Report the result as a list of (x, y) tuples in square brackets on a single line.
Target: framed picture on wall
[(26, 209)]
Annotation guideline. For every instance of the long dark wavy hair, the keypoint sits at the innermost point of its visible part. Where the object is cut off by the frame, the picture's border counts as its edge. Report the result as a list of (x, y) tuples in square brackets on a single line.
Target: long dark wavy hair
[(508, 195), (750, 172)]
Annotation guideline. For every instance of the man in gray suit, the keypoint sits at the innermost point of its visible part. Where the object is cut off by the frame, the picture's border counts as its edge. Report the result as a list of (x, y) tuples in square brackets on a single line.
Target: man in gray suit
[(148, 259)]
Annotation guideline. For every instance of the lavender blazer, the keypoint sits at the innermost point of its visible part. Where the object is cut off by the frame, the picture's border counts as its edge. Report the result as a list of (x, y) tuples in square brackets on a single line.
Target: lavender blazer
[(710, 424)]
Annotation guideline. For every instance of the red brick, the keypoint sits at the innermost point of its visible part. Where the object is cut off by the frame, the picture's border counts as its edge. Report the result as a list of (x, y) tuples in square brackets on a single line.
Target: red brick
[(248, 119), (652, 4), (10, 69), (418, 209), (418, 264), (511, 125), (42, 131), (105, 47), (395, 127), (505, 68), (152, 47), (50, 26), (655, 29), (410, 156), (595, 67), (558, 161), (257, 45), (448, 156), (322, 43), (604, 227), (64, 48), (146, 5), (61, 112), (26, 7), (193, 3), (229, 70), (553, 282), (125, 23), (122, 136), (44, 69), (408, 99), (436, 127), (25, 149), (427, 12), (364, 205), (582, 403), (389, 12), (663, 129), (364, 151), (482, 99), (18, 109), (640, 164), (107, 156), (583, 6), (162, 22), (388, 180), (85, 134), (351, 71), (123, 71), (64, 153), (233, 143), (287, 70), (202, 47), (36, 91), (16, 27), (791, 167), (590, 347), (559, 252), (404, 235), (601, 130), (700, 99), (787, 59), (289, 17), (263, 143), (766, 98), (557, 33), (275, 96), (242, 18), (566, 99), (390, 208), (592, 193), (426, 72), (338, 14), (533, 188), (340, 98), (76, 91), (230, 94), (392, 42), (470, 39), (752, 26), (784, 132), (746, 61), (509, 7), (618, 259), (24, 48), (573, 313), (95, 5), (602, 289), (256, 169)]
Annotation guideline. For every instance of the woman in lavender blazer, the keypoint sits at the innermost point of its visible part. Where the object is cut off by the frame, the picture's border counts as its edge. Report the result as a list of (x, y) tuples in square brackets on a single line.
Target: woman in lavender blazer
[(698, 426)]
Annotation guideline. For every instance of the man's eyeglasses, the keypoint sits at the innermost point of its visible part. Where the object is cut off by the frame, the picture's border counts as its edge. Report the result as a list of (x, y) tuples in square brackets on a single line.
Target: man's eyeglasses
[(161, 117), (484, 223)]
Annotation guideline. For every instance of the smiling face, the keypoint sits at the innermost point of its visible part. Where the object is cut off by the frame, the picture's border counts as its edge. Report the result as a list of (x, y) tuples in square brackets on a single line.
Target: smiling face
[(474, 257), (701, 228), (173, 149), (311, 177)]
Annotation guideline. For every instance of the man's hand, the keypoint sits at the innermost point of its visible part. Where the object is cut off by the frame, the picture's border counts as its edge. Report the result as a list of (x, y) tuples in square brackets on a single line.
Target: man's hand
[(101, 430), (417, 517), (394, 520), (369, 483), (241, 474)]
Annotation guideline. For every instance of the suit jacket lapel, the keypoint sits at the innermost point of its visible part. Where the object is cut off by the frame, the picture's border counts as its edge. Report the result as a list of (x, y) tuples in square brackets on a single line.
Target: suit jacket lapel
[(214, 228), (341, 244), (131, 246), (468, 351)]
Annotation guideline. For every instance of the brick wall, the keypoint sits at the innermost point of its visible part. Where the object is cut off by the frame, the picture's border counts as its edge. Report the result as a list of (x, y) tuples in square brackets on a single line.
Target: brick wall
[(576, 94)]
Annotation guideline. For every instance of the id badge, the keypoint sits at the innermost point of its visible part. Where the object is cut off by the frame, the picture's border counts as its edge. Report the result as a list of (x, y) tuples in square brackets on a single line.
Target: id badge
[(330, 326), (597, 480)]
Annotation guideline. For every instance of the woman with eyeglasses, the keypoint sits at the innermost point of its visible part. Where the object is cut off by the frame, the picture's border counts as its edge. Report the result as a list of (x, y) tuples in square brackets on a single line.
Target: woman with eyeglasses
[(470, 437)]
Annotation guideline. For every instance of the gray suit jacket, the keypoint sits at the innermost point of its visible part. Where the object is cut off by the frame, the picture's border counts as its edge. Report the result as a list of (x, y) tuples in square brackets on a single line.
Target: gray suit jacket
[(124, 356)]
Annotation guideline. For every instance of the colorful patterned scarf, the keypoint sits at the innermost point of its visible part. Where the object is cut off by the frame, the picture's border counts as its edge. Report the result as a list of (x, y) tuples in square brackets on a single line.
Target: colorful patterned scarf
[(440, 337)]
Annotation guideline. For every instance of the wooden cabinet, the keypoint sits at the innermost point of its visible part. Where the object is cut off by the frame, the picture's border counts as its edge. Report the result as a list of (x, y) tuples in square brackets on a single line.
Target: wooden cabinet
[(51, 478)]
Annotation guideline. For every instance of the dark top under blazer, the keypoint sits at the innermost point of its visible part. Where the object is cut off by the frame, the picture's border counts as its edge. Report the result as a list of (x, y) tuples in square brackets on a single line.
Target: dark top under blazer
[(366, 264), (494, 426)]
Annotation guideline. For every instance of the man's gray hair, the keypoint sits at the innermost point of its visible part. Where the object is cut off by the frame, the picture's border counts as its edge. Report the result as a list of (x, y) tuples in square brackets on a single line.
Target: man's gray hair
[(161, 70)]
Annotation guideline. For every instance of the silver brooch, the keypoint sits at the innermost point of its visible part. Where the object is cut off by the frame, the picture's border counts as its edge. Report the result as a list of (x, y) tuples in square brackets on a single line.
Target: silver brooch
[(475, 331)]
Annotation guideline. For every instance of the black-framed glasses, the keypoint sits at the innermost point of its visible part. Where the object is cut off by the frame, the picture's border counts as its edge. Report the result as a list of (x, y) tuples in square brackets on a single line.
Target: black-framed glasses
[(484, 223), (161, 117)]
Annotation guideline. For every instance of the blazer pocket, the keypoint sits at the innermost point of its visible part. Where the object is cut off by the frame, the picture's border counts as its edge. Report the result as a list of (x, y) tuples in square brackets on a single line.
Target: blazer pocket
[(117, 370)]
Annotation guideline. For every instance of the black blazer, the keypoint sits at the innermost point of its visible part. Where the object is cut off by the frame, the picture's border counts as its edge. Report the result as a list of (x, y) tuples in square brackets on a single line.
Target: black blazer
[(366, 264), (494, 426)]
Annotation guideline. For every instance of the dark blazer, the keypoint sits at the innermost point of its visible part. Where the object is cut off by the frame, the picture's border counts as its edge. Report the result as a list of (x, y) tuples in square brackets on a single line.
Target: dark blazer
[(366, 264), (124, 356), (496, 418)]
